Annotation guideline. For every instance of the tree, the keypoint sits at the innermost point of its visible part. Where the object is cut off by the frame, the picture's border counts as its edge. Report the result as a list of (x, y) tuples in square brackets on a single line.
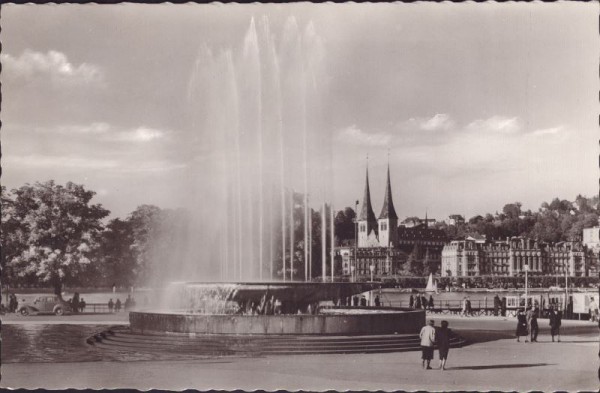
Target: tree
[(145, 223), (512, 210), (60, 229), (414, 262), (117, 253), (344, 224)]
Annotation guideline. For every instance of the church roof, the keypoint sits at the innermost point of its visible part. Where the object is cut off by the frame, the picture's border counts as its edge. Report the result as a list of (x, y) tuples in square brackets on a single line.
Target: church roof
[(388, 211), (366, 212)]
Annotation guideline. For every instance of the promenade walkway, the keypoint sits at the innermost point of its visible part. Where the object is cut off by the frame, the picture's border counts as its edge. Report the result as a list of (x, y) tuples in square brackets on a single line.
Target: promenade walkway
[(495, 361)]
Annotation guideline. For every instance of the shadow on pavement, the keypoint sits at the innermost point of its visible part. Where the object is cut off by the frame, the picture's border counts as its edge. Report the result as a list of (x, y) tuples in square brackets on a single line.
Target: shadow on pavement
[(481, 336), (494, 366)]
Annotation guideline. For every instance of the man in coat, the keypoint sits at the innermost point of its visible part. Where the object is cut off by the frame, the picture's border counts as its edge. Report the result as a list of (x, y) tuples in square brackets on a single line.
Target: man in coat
[(427, 340)]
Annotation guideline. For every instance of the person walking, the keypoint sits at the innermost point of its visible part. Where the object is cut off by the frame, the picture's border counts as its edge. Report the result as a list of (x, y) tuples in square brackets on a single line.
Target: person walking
[(522, 325), (442, 338), (593, 309), (118, 305), (427, 336), (423, 302), (81, 305), (555, 321), (411, 302), (417, 302), (110, 305), (533, 323), (468, 307), (377, 301), (464, 307), (431, 302), (497, 304)]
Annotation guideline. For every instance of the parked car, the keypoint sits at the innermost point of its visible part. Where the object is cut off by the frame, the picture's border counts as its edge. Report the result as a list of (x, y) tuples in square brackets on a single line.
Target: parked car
[(47, 304)]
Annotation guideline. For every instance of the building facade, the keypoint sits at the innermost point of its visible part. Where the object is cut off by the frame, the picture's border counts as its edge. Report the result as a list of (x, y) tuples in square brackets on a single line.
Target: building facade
[(382, 244), (509, 258)]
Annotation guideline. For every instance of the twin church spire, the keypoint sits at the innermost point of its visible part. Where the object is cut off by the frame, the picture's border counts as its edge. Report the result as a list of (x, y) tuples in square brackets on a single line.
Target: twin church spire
[(387, 211), (385, 226)]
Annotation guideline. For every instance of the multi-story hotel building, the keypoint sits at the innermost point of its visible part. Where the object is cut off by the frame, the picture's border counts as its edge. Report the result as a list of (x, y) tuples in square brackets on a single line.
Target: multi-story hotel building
[(509, 258)]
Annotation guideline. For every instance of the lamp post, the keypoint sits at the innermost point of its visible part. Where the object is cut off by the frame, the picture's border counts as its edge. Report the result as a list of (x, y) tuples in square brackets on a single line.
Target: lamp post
[(566, 286), (353, 268), (526, 268)]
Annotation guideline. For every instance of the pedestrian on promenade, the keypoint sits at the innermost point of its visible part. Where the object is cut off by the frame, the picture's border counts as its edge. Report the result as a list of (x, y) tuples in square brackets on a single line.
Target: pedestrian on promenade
[(355, 301), (13, 303), (533, 323), (593, 309), (411, 302), (463, 311), (431, 303), (497, 305), (522, 325), (427, 336), (423, 302), (110, 305), (555, 321), (363, 301), (469, 309), (75, 303), (417, 302), (377, 301), (81, 305), (442, 338), (118, 305), (503, 306)]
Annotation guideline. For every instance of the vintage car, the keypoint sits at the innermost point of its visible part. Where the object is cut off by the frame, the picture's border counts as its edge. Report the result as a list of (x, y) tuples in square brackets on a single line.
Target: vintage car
[(46, 304)]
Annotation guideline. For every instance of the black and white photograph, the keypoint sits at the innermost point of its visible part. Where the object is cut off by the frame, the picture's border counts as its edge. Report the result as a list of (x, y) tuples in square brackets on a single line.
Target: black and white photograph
[(300, 196)]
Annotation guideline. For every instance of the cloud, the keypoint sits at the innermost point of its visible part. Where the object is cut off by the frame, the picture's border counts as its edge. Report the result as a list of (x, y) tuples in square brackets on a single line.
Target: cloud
[(548, 131), (355, 136), (101, 131), (440, 121), (496, 124), (55, 161), (141, 134), (52, 65), (81, 129)]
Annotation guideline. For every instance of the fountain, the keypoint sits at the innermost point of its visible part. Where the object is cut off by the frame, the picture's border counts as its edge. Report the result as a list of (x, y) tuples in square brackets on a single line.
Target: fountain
[(292, 308), (259, 110)]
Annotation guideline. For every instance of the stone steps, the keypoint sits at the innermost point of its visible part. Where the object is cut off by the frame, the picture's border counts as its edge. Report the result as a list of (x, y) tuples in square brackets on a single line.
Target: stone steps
[(123, 340)]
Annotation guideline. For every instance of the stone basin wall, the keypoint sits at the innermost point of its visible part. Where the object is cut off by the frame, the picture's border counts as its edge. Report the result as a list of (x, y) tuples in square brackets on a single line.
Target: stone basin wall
[(387, 321)]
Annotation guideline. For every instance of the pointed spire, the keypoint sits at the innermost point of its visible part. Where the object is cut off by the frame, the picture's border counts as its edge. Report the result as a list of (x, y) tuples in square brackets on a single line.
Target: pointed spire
[(366, 212), (388, 210)]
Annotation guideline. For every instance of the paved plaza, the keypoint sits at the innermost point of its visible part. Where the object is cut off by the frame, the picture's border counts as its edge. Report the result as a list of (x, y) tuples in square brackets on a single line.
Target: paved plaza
[(494, 360)]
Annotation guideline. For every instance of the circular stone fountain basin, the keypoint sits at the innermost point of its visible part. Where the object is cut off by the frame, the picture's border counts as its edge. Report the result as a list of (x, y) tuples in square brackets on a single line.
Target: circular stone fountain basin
[(332, 321)]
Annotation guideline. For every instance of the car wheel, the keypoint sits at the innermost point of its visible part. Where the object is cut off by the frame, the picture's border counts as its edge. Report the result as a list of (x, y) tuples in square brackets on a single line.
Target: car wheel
[(24, 311), (59, 311)]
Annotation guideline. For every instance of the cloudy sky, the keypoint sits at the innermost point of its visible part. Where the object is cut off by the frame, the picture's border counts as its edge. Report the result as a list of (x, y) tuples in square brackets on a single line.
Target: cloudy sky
[(477, 104)]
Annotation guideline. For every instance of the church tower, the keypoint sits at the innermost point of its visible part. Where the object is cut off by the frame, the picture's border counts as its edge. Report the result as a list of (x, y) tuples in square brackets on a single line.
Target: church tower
[(367, 222), (388, 219)]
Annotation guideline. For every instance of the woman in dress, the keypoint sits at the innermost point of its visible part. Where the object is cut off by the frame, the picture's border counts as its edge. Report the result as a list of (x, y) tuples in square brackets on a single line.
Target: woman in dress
[(555, 320), (522, 325), (442, 338)]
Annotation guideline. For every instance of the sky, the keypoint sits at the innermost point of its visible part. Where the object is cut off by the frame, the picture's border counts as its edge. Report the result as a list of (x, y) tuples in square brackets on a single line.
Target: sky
[(473, 105)]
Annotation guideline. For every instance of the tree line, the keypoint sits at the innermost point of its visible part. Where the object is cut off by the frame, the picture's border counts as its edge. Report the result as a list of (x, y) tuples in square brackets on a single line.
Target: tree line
[(54, 235)]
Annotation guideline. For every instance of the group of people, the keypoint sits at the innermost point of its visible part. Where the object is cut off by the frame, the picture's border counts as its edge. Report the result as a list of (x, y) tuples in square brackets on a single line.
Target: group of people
[(527, 323), (77, 304), (13, 304), (421, 302), (430, 336), (116, 306)]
